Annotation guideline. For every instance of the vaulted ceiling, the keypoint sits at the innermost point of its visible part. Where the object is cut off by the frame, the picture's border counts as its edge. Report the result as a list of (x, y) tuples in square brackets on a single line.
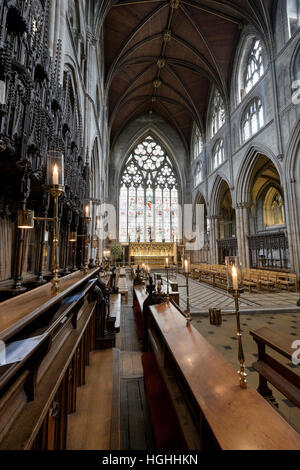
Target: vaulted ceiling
[(163, 57)]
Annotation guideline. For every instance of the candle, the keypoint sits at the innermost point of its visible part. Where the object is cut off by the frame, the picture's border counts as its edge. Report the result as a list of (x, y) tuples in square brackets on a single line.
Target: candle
[(186, 266), (235, 278), (55, 175), (87, 211), (167, 261)]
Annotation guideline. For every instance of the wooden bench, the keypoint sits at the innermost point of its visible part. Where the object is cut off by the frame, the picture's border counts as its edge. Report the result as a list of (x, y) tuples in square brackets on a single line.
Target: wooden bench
[(115, 310), (123, 288), (271, 370), (172, 284), (48, 339), (287, 281), (167, 430), (225, 416)]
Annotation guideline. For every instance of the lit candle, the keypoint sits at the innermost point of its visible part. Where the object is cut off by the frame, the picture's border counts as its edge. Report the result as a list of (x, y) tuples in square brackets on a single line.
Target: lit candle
[(186, 266), (235, 278), (55, 175), (87, 211)]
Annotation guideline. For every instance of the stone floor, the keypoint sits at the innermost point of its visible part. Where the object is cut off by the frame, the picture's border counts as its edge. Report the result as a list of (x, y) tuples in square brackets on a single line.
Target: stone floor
[(204, 296)]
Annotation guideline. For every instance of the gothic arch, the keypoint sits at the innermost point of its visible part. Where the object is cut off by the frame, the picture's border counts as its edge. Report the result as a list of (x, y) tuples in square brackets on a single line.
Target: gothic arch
[(245, 175), (216, 192), (242, 51), (292, 177), (95, 172)]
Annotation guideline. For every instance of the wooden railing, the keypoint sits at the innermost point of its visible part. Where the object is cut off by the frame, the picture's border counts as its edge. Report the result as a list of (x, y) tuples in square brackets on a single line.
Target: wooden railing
[(48, 339), (213, 411), (271, 370)]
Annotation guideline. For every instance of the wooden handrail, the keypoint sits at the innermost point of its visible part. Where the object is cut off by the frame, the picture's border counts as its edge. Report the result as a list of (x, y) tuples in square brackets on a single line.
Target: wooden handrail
[(237, 419)]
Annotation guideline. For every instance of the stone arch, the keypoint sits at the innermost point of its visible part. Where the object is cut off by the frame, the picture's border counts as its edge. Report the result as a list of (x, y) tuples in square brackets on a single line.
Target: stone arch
[(95, 172), (243, 49), (165, 135), (215, 193), (244, 180), (292, 179)]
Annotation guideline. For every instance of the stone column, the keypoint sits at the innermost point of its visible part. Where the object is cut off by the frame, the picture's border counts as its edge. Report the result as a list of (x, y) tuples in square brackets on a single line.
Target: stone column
[(246, 225), (242, 233), (214, 235)]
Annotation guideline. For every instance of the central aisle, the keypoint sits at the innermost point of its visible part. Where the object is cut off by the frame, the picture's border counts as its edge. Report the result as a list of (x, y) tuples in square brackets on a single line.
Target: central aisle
[(136, 429)]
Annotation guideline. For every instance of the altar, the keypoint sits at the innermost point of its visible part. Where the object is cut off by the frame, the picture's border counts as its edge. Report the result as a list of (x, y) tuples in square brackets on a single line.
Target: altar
[(153, 254)]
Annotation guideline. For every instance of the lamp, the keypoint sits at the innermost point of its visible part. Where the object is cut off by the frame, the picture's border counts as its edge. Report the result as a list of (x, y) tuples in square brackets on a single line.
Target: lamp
[(73, 240), (73, 237), (55, 186), (25, 219), (235, 288)]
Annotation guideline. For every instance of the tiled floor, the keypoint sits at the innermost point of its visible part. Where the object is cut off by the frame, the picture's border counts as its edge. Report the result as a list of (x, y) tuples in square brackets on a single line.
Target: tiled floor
[(203, 296)]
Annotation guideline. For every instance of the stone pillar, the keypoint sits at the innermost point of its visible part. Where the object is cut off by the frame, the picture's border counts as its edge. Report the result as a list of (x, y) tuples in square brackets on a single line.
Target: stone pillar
[(214, 235), (246, 235), (242, 233)]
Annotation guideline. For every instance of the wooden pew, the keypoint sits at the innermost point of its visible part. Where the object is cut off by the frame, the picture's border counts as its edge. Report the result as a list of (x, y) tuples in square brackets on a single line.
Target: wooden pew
[(172, 284), (48, 339), (224, 415), (123, 288), (272, 371)]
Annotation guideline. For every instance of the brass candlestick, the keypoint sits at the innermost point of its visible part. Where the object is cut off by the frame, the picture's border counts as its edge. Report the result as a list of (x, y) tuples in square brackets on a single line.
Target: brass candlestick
[(55, 186), (236, 293), (168, 290), (56, 191), (187, 311), (87, 221)]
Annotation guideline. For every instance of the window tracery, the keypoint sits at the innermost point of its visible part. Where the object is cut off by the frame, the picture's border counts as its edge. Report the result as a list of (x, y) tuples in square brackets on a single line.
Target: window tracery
[(253, 119), (218, 154), (217, 113), (148, 196), (255, 66)]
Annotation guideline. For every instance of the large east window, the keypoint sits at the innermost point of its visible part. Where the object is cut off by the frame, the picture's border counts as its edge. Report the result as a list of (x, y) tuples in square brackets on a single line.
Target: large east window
[(148, 196)]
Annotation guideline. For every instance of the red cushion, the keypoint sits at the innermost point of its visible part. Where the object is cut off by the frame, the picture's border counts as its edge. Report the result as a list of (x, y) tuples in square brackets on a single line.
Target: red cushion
[(168, 434)]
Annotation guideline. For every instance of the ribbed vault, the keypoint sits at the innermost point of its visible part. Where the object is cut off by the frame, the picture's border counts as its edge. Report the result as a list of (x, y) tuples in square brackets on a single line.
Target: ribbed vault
[(163, 56)]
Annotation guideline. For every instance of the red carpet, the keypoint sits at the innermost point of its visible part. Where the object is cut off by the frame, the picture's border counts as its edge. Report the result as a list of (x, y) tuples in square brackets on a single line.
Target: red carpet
[(168, 434)]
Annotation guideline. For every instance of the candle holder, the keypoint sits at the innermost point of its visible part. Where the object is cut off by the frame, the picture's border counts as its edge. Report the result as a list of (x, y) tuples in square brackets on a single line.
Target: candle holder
[(235, 288), (73, 242), (187, 272), (55, 186), (167, 272)]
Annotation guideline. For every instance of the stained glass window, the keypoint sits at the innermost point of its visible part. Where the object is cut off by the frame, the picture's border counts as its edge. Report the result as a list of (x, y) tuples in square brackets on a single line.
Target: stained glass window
[(255, 66), (148, 196)]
